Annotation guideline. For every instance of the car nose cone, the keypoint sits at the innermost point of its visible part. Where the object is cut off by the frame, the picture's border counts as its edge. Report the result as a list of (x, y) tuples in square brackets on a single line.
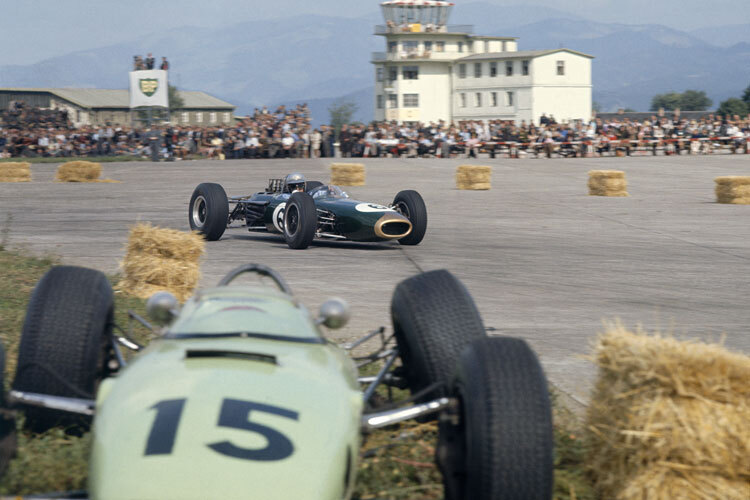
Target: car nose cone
[(392, 226)]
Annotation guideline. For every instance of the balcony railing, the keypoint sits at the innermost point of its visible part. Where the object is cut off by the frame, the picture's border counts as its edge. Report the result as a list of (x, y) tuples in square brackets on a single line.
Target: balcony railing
[(401, 55), (382, 29)]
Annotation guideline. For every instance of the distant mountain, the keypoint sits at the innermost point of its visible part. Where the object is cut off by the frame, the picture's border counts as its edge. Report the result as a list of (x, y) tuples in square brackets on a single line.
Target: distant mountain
[(724, 36), (317, 59)]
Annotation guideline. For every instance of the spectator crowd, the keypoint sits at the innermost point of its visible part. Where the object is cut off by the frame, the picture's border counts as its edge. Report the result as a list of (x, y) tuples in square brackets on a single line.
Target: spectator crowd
[(286, 132), (140, 64)]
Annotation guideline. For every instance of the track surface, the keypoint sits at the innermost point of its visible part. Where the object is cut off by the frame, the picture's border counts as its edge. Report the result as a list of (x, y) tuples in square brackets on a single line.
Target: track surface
[(543, 260)]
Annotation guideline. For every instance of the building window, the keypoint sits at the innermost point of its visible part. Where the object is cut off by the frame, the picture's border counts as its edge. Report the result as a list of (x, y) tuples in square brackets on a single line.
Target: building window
[(493, 97), (462, 71), (410, 72), (392, 47), (525, 68), (392, 101), (486, 45), (411, 100), (505, 46), (509, 98), (379, 74), (381, 101), (470, 46), (392, 74), (185, 117), (199, 117), (478, 99), (508, 68), (428, 46), (462, 100), (477, 70), (460, 46), (213, 117), (411, 48), (493, 69), (439, 46), (560, 68), (226, 117)]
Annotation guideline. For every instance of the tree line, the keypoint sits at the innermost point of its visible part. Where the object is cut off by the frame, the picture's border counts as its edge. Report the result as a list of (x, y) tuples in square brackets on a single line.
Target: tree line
[(697, 100)]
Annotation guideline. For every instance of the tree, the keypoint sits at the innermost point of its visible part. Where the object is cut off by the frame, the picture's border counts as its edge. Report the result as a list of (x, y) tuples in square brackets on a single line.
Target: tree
[(733, 106), (176, 102), (341, 112), (669, 101), (746, 95), (695, 100)]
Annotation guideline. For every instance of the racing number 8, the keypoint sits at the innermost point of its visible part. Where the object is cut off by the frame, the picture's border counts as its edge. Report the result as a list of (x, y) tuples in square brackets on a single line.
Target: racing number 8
[(234, 414)]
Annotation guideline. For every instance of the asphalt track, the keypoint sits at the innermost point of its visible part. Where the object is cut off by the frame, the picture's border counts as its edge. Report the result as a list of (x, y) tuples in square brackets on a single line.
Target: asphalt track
[(543, 260)]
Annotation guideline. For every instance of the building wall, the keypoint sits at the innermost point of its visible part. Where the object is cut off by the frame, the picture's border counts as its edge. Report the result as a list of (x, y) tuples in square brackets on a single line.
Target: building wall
[(432, 88), (567, 97)]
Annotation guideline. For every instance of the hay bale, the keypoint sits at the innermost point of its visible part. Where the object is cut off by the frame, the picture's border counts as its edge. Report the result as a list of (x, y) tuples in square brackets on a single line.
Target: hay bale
[(607, 183), (474, 177), (348, 174), (79, 171), (733, 189), (669, 419), (161, 259), (15, 172)]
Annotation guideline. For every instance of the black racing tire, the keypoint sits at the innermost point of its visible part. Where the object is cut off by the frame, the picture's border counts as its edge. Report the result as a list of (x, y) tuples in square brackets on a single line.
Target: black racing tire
[(8, 438), (411, 205), (65, 342), (502, 447), (434, 318), (208, 212), (310, 185), (300, 221)]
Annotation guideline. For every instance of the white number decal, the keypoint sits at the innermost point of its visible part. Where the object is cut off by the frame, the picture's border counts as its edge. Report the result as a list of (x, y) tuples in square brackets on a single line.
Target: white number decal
[(278, 217), (372, 207)]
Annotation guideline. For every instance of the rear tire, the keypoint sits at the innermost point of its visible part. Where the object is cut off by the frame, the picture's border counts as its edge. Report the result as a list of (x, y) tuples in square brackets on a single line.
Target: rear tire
[(65, 342), (209, 210), (434, 319), (411, 205), (300, 221), (502, 449)]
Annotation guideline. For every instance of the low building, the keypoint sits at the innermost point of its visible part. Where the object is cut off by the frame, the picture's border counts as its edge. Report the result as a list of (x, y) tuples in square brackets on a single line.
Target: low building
[(434, 71), (102, 106)]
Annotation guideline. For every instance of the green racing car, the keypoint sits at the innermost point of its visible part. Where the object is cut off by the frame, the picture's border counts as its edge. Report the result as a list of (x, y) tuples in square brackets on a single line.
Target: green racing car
[(241, 395)]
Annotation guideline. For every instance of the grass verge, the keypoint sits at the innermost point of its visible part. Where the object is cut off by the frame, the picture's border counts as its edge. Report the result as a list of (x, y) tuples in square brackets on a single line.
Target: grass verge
[(396, 463)]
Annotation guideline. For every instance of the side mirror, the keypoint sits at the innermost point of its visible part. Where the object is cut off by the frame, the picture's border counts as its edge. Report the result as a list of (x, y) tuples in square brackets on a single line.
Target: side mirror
[(333, 313), (162, 308)]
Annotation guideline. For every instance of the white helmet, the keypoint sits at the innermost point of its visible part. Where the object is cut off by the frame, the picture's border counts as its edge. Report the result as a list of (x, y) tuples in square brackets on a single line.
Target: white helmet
[(294, 181)]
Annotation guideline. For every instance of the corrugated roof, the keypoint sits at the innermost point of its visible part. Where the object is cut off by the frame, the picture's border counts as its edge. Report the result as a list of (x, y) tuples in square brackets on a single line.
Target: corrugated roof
[(117, 98), (525, 54)]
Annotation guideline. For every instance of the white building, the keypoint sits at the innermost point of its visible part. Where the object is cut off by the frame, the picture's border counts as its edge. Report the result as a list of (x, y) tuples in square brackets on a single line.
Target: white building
[(433, 71)]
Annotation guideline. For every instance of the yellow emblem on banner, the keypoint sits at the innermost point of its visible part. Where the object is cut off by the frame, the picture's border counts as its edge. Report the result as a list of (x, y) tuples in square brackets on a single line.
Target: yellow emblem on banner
[(148, 86)]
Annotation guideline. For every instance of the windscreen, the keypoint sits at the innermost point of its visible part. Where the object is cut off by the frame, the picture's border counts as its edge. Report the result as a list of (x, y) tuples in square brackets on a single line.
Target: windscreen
[(329, 191)]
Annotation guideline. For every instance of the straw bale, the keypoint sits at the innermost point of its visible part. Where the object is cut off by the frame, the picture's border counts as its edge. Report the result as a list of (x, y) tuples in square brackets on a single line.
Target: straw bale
[(607, 183), (79, 171), (161, 259), (348, 174), (473, 177), (733, 189), (15, 172), (145, 239), (668, 418)]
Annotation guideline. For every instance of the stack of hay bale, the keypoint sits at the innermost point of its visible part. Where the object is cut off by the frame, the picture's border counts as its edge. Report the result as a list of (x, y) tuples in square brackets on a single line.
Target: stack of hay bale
[(161, 259), (15, 172), (348, 174), (607, 183), (79, 171), (669, 419), (475, 177), (733, 189)]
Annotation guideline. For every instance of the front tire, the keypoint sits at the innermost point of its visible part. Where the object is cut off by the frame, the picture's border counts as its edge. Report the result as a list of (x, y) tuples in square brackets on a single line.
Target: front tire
[(434, 319), (209, 210), (65, 342), (300, 221), (410, 204), (502, 447)]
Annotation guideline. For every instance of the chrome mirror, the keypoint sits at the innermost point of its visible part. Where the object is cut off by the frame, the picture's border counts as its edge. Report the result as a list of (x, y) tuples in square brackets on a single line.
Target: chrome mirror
[(333, 313), (162, 308)]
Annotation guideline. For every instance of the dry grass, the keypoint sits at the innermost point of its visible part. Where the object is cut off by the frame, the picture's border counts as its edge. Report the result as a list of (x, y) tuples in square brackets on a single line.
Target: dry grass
[(79, 171), (348, 174), (161, 259), (607, 183), (473, 177), (669, 419), (733, 189), (15, 172)]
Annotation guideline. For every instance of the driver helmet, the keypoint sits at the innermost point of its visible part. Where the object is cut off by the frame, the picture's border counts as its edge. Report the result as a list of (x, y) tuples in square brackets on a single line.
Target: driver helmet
[(294, 181)]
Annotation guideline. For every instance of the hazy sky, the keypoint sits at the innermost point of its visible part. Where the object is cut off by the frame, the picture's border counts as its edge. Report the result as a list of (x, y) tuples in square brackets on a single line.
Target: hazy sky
[(33, 30)]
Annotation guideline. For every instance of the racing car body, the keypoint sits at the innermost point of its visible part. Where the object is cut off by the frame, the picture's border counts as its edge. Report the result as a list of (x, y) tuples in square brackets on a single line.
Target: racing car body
[(322, 211)]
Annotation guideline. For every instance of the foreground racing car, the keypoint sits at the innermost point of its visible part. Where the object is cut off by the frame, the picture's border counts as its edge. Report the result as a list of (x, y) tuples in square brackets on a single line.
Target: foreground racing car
[(241, 395), (302, 211)]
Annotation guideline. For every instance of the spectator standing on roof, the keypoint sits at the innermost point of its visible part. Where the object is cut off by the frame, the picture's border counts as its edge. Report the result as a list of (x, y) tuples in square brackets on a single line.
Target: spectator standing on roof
[(164, 64), (150, 61)]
